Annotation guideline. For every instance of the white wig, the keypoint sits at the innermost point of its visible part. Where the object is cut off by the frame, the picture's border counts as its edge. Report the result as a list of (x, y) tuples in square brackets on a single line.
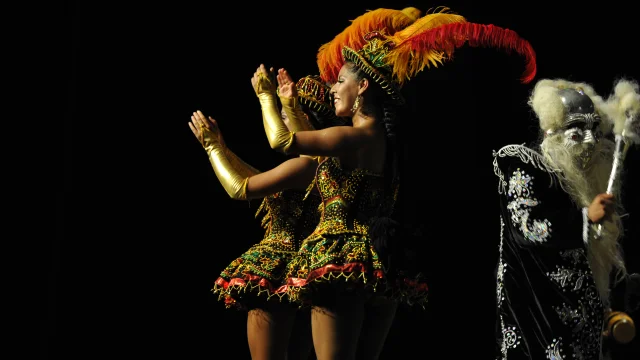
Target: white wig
[(548, 106), (624, 101)]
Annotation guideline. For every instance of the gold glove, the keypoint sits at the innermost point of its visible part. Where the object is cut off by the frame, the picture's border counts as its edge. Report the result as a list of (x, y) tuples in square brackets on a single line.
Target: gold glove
[(244, 169), (279, 136), (233, 182), (298, 121)]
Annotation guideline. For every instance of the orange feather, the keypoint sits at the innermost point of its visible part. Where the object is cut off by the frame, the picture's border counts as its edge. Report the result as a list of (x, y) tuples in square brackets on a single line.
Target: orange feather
[(330, 54)]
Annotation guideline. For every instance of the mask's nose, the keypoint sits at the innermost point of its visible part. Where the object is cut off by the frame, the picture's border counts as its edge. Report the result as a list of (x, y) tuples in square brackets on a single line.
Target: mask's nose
[(589, 137)]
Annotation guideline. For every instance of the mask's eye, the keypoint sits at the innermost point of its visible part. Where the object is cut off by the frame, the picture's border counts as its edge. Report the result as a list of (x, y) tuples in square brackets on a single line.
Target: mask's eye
[(574, 135)]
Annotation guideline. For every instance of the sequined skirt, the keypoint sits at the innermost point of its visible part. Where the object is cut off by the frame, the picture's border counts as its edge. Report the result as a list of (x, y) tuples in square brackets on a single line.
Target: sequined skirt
[(255, 276), (327, 264)]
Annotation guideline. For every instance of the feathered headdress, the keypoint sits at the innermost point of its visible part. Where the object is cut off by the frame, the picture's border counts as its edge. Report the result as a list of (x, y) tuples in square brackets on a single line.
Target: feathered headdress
[(393, 58), (330, 54)]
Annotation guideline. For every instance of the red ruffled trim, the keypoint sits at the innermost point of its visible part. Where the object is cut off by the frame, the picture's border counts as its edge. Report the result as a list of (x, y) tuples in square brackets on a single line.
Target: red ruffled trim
[(228, 291), (253, 279), (348, 271)]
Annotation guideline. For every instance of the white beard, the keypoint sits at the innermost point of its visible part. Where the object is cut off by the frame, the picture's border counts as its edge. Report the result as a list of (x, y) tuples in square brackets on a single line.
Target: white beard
[(583, 181)]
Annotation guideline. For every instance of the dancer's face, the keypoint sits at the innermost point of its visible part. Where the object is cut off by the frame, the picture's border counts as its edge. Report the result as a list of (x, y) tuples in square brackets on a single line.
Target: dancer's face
[(345, 91)]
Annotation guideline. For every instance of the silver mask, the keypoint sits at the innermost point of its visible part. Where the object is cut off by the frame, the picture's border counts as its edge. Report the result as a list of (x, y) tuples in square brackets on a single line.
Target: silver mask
[(581, 124)]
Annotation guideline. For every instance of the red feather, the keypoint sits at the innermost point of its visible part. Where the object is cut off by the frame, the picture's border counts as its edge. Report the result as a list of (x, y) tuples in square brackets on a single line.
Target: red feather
[(451, 36)]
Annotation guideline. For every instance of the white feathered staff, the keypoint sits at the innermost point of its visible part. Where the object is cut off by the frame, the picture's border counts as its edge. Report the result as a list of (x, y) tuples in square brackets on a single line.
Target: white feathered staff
[(623, 108)]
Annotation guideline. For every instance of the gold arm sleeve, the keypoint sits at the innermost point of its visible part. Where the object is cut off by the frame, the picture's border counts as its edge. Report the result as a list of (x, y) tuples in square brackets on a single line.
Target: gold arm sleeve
[(232, 181), (297, 119), (244, 169), (279, 136)]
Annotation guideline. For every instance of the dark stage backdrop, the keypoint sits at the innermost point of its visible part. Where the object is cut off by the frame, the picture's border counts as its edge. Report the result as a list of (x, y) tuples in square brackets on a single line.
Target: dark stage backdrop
[(158, 228)]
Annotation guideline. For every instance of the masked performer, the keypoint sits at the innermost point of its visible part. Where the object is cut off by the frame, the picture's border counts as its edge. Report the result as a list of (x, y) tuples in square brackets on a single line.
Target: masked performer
[(553, 275)]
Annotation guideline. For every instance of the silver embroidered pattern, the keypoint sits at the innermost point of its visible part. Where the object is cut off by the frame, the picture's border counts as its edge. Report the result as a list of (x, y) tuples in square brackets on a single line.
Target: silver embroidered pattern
[(526, 155), (572, 317), (587, 317), (576, 256), (510, 338), (568, 278), (585, 345), (554, 350), (521, 191), (502, 268)]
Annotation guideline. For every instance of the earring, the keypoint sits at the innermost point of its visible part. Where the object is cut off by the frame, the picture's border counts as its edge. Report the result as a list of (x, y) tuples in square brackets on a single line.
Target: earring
[(356, 104)]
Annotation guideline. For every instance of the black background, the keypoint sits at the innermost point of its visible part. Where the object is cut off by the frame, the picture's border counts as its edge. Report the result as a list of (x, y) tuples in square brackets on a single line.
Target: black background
[(149, 227)]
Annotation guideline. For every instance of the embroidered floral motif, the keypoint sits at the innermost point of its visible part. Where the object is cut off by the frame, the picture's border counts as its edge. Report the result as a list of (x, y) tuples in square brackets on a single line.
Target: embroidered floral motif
[(585, 318), (554, 351), (585, 341), (567, 278), (521, 193), (525, 155), (510, 338), (519, 184)]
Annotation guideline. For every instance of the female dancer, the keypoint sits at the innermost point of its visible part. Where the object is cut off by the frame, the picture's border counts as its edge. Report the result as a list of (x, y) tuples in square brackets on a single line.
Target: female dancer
[(250, 281), (338, 269)]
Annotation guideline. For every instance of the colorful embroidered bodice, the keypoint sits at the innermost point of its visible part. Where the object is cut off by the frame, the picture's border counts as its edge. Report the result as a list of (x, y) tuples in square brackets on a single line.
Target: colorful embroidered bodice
[(349, 198)]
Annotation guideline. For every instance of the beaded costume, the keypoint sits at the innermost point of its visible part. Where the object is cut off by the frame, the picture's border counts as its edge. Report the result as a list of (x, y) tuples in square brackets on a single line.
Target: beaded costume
[(288, 218), (343, 247), (340, 248), (289, 215)]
